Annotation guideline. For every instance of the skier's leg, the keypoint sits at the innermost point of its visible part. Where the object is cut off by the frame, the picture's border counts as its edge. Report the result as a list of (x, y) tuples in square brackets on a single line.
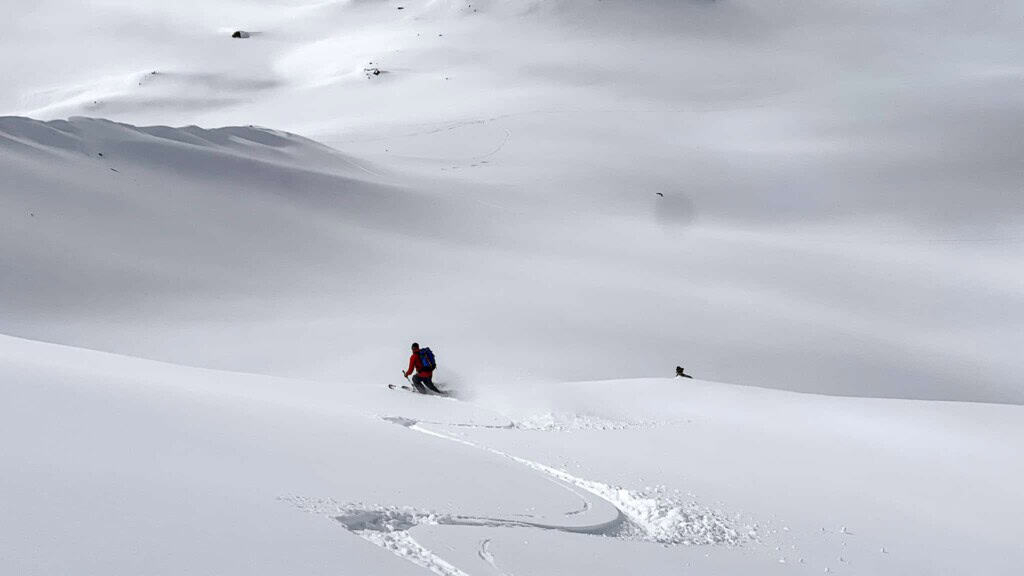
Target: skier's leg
[(429, 383), (418, 383)]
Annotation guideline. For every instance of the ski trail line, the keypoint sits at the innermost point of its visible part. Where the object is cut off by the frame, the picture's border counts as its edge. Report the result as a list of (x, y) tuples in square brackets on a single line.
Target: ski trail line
[(484, 553), (402, 544), (656, 516)]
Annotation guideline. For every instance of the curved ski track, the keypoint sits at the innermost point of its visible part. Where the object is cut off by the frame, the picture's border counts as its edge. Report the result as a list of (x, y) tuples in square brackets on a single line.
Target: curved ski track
[(650, 516)]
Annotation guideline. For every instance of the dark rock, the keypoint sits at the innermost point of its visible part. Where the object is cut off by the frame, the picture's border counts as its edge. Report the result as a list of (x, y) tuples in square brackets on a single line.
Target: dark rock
[(240, 34)]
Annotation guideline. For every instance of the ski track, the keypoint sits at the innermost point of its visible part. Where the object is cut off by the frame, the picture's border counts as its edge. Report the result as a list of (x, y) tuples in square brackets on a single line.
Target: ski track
[(386, 527), (485, 554), (402, 544), (653, 516), (562, 422), (551, 422)]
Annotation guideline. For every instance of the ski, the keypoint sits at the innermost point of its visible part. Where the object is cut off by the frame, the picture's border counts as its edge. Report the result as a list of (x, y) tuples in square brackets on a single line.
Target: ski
[(443, 393)]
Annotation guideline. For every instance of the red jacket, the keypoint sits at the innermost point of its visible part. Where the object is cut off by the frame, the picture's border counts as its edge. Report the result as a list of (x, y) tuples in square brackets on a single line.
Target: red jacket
[(414, 364)]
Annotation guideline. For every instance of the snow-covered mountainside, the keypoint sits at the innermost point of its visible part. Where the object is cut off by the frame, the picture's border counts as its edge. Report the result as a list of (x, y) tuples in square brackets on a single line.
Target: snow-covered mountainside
[(215, 252), (115, 465), (823, 198), (255, 250)]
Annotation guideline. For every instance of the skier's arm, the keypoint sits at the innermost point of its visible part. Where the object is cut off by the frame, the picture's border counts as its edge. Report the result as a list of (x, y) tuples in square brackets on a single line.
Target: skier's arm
[(412, 366)]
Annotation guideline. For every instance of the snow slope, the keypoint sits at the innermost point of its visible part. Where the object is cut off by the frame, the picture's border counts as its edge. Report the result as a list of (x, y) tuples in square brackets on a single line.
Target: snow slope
[(249, 249), (115, 465), (839, 208), (561, 198)]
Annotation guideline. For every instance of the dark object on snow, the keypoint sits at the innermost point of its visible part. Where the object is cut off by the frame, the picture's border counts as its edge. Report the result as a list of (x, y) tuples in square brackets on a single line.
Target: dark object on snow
[(427, 361), (422, 384), (660, 194), (373, 72), (240, 34), (681, 374)]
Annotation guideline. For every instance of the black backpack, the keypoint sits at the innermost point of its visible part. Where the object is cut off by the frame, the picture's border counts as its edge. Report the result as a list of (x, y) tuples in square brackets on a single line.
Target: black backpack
[(427, 361)]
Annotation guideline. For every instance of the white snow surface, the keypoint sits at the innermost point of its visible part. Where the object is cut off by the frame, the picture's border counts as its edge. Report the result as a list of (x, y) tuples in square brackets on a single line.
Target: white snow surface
[(121, 465), (215, 252)]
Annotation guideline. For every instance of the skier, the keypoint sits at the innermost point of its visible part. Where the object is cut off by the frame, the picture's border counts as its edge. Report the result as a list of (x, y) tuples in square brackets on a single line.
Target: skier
[(681, 374), (422, 362)]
